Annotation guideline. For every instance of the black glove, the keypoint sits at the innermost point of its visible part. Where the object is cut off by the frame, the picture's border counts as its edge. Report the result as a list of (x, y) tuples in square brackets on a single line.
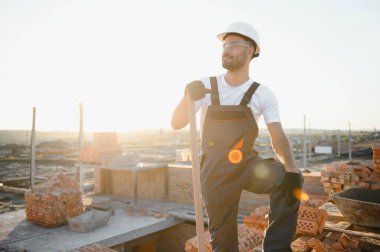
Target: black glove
[(196, 90), (291, 186)]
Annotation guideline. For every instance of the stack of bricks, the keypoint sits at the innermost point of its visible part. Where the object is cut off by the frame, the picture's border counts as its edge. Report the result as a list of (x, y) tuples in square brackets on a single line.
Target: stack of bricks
[(257, 219), (311, 221), (248, 238), (341, 176), (375, 177), (53, 202), (105, 143), (332, 243), (376, 157)]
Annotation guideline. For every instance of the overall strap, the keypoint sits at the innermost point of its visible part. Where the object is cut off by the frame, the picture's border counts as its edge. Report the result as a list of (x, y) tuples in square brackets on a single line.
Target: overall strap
[(248, 95), (214, 91)]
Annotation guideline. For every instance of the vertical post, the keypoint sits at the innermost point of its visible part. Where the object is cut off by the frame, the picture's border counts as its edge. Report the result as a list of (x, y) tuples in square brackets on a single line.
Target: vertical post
[(135, 187), (196, 177), (338, 142), (349, 142), (374, 135), (304, 142), (81, 141), (309, 141), (33, 151), (27, 139)]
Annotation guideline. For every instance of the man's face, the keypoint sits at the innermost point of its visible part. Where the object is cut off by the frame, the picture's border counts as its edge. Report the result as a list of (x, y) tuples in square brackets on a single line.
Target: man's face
[(235, 53)]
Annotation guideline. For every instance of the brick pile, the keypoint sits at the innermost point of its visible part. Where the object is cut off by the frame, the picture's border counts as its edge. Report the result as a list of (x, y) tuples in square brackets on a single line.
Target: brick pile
[(342, 176), (311, 221), (257, 218), (376, 157), (53, 202), (249, 238), (332, 243), (105, 143)]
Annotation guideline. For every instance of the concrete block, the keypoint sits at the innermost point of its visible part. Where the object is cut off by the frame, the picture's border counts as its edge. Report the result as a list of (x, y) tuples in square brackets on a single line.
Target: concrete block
[(89, 221)]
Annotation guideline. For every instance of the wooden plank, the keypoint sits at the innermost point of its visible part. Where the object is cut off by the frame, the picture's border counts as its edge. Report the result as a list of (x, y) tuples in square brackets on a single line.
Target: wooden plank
[(341, 224), (369, 244), (11, 189), (353, 233)]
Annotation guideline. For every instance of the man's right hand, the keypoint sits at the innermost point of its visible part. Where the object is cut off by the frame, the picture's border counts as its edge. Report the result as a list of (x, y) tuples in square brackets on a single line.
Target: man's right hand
[(196, 90)]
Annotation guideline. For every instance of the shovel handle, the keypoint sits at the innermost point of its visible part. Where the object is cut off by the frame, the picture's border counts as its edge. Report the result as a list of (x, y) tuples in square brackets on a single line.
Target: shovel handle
[(196, 176)]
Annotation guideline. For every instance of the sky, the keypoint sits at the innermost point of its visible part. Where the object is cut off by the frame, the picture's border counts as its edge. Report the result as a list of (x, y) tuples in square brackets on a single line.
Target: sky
[(129, 61)]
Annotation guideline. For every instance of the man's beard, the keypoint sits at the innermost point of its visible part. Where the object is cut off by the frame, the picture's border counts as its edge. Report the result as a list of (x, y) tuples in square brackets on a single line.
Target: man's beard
[(233, 62)]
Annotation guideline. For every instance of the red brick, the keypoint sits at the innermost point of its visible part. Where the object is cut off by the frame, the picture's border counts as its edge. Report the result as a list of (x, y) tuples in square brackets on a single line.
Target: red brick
[(363, 185), (307, 227), (328, 248), (375, 186), (318, 247), (312, 242), (336, 186), (325, 179), (300, 244), (322, 218), (355, 178), (334, 180), (353, 243), (337, 246), (344, 240), (326, 184)]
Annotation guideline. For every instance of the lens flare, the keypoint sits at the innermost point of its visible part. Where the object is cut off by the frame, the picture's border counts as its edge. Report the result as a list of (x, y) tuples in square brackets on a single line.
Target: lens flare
[(261, 171), (235, 156), (239, 144), (300, 194)]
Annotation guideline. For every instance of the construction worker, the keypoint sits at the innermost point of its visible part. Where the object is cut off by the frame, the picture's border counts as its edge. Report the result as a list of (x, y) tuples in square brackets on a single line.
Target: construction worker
[(231, 104)]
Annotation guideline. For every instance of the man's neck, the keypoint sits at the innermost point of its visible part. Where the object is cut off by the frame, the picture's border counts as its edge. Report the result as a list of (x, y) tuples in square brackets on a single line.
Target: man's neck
[(237, 77)]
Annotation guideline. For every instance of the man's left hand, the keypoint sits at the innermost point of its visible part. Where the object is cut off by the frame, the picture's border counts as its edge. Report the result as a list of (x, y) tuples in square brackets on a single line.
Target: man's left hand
[(292, 186)]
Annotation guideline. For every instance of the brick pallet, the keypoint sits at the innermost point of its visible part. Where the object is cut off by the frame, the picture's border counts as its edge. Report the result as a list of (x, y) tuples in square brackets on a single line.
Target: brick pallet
[(53, 202)]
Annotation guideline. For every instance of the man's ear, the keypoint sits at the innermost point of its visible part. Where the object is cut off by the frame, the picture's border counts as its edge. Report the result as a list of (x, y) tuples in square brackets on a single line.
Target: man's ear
[(251, 51)]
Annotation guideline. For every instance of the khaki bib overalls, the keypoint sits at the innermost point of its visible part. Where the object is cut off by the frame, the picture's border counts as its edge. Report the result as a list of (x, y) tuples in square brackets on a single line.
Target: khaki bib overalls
[(229, 164)]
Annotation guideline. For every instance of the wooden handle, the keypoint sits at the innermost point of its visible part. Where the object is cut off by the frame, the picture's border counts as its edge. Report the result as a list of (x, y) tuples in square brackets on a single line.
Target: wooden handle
[(196, 176)]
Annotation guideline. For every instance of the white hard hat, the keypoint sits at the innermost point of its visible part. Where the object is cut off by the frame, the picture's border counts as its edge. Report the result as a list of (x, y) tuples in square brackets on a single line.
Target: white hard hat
[(244, 29)]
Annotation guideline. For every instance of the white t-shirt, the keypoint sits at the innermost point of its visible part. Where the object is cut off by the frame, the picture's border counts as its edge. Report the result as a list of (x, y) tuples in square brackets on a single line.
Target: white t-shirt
[(263, 102)]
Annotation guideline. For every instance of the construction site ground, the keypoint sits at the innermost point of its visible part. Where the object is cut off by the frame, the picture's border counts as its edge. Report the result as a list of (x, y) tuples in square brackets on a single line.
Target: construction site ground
[(131, 223), (128, 223)]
